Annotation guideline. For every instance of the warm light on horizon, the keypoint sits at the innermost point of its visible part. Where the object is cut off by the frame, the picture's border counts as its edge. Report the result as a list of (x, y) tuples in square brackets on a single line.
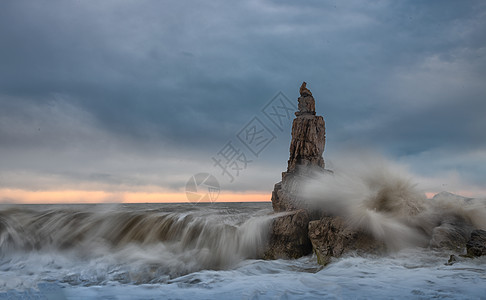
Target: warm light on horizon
[(17, 196)]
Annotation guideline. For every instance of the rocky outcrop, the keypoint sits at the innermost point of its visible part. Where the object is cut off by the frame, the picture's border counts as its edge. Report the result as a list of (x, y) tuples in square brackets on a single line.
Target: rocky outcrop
[(308, 140), (333, 237), (476, 246), (302, 228), (306, 148), (289, 236), (304, 91), (452, 233)]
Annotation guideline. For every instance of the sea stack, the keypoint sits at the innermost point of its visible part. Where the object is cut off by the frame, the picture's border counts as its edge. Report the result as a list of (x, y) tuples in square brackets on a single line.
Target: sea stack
[(301, 229), (306, 148), (289, 235)]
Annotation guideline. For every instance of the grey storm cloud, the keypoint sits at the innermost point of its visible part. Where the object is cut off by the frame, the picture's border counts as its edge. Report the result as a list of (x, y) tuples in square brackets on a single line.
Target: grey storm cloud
[(155, 88)]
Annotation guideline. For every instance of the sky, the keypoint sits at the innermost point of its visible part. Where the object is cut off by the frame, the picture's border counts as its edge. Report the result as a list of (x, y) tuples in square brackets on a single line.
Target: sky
[(125, 101)]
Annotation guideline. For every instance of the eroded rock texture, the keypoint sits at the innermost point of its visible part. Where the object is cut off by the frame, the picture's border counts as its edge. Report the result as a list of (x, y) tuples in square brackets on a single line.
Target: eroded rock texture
[(304, 228), (476, 246), (333, 237), (452, 233), (306, 148), (289, 236)]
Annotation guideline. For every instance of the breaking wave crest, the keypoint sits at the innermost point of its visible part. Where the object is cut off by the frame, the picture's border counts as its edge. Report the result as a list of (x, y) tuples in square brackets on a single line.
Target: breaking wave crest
[(130, 246), (380, 198)]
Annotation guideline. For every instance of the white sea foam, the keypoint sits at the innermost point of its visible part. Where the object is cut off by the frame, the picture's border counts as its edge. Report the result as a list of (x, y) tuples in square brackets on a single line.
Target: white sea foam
[(409, 274), (210, 252), (92, 246)]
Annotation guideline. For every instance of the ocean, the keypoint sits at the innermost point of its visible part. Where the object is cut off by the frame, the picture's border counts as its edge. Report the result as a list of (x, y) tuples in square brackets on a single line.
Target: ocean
[(200, 251)]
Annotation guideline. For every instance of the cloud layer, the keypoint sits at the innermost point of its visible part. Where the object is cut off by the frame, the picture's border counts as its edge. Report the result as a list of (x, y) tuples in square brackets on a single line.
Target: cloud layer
[(127, 94)]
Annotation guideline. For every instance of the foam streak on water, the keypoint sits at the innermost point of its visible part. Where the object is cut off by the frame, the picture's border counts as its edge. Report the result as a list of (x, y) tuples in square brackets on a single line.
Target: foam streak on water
[(207, 252), (92, 245)]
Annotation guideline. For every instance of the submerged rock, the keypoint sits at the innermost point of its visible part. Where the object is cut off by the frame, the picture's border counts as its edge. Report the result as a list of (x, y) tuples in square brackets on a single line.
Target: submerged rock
[(333, 237), (452, 260), (476, 246)]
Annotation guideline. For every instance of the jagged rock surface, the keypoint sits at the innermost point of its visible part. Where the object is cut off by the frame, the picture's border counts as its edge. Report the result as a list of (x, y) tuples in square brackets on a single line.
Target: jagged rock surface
[(296, 234), (476, 246), (306, 148), (333, 237), (307, 105), (453, 233), (289, 238), (304, 91), (308, 140)]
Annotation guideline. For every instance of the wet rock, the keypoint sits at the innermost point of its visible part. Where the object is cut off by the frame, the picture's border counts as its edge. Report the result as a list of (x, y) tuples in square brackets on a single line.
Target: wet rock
[(333, 237), (456, 259), (476, 246), (452, 260), (453, 233), (286, 194), (289, 236)]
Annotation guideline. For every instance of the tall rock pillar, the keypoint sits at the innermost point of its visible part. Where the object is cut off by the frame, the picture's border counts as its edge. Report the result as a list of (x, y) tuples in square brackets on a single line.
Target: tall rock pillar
[(306, 148), (302, 229), (289, 234)]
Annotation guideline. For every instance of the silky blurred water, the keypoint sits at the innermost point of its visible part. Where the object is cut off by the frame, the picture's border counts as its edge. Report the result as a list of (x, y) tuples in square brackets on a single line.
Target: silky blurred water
[(204, 251)]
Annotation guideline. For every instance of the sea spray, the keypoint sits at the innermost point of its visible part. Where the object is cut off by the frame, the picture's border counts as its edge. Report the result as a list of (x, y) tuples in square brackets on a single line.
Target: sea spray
[(138, 270), (92, 246), (380, 198)]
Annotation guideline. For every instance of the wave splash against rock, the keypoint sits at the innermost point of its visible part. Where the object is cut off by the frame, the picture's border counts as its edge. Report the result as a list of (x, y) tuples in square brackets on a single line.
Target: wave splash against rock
[(365, 206)]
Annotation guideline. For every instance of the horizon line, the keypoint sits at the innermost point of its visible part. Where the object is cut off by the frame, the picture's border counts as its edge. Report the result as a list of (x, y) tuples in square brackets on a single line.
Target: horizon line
[(19, 196)]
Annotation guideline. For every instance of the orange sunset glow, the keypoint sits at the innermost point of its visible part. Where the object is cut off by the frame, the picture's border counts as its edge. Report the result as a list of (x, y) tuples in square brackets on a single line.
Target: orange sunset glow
[(80, 196)]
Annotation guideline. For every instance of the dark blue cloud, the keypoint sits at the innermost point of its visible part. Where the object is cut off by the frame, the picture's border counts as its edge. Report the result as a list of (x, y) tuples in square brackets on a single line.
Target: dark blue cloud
[(180, 78)]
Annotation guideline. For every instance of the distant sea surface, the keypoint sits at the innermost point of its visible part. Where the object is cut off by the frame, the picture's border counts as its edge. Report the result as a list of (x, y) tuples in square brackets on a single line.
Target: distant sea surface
[(199, 251)]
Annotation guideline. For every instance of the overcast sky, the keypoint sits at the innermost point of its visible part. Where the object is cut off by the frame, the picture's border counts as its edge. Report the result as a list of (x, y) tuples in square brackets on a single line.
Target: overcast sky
[(127, 95)]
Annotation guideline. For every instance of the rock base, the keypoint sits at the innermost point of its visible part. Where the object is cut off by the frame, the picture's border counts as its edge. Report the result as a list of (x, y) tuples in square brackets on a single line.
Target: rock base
[(453, 233), (333, 237), (289, 236)]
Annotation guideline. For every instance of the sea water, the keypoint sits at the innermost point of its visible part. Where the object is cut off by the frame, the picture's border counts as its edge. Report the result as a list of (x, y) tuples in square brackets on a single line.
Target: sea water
[(200, 251)]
